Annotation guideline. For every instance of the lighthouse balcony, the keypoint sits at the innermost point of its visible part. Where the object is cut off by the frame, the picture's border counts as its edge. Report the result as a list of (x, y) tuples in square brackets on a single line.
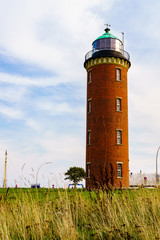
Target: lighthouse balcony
[(107, 52)]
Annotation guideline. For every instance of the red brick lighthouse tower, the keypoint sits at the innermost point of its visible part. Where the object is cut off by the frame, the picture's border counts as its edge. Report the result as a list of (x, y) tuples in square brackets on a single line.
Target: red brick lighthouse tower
[(107, 158)]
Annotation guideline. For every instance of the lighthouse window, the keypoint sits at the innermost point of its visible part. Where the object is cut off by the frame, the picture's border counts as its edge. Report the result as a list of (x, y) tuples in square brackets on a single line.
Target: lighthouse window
[(119, 168), (112, 44), (89, 137), (98, 44), (88, 169), (118, 74), (94, 45), (118, 104), (89, 106), (102, 46), (108, 43), (89, 76), (119, 136)]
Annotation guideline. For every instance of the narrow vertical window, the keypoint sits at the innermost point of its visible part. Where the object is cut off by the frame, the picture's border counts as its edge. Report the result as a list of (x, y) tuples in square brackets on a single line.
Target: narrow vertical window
[(89, 106), (89, 137), (118, 74), (88, 169), (119, 136), (89, 76), (118, 104), (119, 168)]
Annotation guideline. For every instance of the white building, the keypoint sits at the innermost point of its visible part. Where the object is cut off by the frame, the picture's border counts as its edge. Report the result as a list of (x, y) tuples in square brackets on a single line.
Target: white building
[(142, 179)]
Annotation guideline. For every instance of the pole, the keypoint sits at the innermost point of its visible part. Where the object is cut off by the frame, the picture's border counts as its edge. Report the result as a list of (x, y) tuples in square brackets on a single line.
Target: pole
[(157, 165), (39, 169), (5, 173), (123, 41)]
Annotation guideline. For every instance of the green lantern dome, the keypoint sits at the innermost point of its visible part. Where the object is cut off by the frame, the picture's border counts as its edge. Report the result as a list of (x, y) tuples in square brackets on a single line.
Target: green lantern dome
[(107, 42), (107, 34)]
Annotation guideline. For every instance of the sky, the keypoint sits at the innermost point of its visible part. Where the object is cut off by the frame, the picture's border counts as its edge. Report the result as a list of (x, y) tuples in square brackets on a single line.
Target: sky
[(43, 83)]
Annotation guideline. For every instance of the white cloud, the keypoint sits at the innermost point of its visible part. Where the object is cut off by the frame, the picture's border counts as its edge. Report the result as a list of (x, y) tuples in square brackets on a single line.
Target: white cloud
[(63, 147), (144, 115), (29, 81), (144, 88), (10, 112), (55, 108), (12, 94), (37, 33), (36, 125)]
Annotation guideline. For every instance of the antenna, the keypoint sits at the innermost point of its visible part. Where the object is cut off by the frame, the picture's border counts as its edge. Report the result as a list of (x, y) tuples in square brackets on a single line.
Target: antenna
[(123, 40)]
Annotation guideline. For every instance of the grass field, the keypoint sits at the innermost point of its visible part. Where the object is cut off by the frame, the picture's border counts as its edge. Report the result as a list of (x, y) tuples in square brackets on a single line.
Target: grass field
[(79, 214)]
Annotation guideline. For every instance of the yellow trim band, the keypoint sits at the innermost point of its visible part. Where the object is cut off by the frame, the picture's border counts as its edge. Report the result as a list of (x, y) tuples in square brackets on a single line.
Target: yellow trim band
[(107, 60)]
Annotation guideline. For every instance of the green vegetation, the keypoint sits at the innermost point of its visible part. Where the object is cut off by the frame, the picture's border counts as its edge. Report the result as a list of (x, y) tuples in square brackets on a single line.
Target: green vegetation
[(79, 214), (75, 174)]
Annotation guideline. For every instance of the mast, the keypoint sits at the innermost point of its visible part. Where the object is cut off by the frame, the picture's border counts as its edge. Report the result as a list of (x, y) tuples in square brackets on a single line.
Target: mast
[(5, 173)]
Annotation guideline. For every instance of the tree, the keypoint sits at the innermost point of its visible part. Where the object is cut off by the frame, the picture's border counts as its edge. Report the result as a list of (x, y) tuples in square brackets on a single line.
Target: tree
[(75, 174)]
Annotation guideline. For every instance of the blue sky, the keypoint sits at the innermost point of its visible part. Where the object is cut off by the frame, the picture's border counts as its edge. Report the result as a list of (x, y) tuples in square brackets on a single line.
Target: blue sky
[(43, 83)]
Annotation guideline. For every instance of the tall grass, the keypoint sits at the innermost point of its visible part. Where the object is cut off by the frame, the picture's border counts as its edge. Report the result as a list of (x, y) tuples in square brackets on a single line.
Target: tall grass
[(76, 214)]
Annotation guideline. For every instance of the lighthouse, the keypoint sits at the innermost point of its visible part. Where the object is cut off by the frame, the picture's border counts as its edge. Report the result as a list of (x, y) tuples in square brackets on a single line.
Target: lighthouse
[(107, 155)]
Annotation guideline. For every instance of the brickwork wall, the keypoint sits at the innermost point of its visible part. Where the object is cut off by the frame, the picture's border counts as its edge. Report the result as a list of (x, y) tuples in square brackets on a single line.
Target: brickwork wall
[(103, 121)]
